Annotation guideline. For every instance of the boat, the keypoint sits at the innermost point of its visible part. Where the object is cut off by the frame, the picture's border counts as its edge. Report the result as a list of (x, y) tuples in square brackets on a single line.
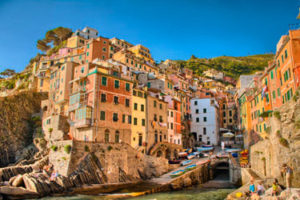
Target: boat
[(177, 173), (190, 167), (174, 161), (200, 149), (186, 162), (191, 156), (207, 145), (202, 162)]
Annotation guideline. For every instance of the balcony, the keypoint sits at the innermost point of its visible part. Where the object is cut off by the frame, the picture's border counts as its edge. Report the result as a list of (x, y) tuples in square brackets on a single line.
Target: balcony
[(82, 123)]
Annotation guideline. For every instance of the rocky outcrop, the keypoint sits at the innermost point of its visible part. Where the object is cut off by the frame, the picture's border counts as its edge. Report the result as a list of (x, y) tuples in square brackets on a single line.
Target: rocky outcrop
[(281, 146), (16, 124)]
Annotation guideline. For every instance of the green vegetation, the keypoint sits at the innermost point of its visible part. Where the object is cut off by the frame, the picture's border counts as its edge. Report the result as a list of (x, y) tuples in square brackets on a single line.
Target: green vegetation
[(50, 130), (54, 40), (67, 148), (283, 142), (277, 115), (297, 124), (278, 134), (54, 147), (43, 143), (231, 66)]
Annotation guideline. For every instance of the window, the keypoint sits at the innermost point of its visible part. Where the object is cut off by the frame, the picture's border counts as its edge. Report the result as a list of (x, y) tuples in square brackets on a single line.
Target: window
[(204, 110), (285, 53), (197, 111), (135, 106), (88, 46), (127, 102), (155, 139), (230, 120), (123, 118), (274, 94), (115, 117), (106, 136), (160, 106), (116, 100), (154, 104), (171, 113), (103, 97), (230, 113), (204, 119), (197, 119), (104, 49), (140, 94), (224, 121), (87, 53), (134, 93), (117, 83), (172, 126), (155, 117), (104, 81), (224, 114), (82, 70), (142, 107), (195, 103), (117, 137), (149, 85), (160, 119), (102, 115), (129, 119), (135, 121), (143, 122), (204, 130), (127, 86), (272, 76)]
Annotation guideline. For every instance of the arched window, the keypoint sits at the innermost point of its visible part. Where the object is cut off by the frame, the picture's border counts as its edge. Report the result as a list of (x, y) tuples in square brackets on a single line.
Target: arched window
[(117, 137), (106, 136)]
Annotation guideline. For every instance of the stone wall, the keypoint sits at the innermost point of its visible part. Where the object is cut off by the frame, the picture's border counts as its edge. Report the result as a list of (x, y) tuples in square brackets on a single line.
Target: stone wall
[(267, 156), (118, 162)]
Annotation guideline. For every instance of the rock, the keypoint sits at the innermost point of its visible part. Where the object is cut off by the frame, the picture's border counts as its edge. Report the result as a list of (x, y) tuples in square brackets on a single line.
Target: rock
[(18, 181), (11, 180), (187, 182), (17, 192)]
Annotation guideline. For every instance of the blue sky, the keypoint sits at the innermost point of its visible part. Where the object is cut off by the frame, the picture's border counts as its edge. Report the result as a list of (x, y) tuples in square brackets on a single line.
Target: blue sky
[(169, 28)]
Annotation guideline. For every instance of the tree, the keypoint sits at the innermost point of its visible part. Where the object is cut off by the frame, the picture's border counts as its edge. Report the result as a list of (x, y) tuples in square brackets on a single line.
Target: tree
[(8, 73), (42, 45)]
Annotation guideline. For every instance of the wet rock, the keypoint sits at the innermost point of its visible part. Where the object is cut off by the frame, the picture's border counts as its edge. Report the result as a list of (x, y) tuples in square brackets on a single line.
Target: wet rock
[(17, 192)]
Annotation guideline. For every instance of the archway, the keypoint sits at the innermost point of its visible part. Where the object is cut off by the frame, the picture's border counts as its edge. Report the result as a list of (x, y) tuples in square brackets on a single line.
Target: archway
[(221, 171), (159, 154)]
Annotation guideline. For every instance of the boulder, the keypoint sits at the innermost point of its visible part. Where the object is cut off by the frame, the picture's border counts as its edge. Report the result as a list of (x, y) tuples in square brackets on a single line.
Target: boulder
[(17, 192), (187, 182), (18, 181)]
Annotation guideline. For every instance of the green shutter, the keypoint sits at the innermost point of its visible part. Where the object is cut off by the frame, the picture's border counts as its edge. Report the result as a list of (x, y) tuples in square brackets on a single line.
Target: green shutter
[(104, 81), (117, 83), (127, 86)]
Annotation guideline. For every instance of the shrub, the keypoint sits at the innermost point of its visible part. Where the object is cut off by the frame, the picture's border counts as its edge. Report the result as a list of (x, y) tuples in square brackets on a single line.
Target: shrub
[(277, 115), (67, 148), (297, 124), (43, 143), (278, 133), (109, 148), (86, 148), (283, 142), (50, 130), (264, 114), (54, 147), (64, 158)]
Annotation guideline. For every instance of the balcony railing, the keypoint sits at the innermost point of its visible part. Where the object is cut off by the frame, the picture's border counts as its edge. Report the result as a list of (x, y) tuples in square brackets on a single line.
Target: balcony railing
[(82, 123)]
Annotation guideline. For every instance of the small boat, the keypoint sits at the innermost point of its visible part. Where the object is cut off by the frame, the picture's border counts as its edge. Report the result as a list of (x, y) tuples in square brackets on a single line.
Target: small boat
[(174, 161), (177, 173), (191, 156), (200, 149), (207, 145), (202, 162), (190, 167), (186, 162)]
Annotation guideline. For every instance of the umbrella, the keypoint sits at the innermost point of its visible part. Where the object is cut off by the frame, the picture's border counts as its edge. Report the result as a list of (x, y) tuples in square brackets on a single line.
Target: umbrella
[(228, 135)]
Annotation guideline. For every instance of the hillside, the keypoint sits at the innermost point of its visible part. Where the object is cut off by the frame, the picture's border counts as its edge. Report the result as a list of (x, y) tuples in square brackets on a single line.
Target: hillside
[(231, 66), (17, 124)]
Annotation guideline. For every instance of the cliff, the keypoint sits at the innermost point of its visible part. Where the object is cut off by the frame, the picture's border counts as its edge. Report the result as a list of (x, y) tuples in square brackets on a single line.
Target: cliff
[(281, 146), (17, 125)]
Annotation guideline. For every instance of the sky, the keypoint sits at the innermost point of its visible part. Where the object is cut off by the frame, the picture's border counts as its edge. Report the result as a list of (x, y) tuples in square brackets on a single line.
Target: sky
[(171, 29)]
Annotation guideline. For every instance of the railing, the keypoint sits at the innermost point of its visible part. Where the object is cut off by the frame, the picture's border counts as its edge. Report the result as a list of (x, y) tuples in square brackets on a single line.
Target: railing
[(82, 123)]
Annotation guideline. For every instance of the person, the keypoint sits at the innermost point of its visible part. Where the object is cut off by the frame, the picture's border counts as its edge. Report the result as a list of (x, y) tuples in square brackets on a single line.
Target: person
[(252, 187), (260, 188), (288, 172), (275, 188)]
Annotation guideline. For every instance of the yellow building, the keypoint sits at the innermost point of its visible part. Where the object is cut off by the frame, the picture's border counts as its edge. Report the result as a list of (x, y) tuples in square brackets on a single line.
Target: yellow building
[(139, 122), (75, 41), (141, 52)]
